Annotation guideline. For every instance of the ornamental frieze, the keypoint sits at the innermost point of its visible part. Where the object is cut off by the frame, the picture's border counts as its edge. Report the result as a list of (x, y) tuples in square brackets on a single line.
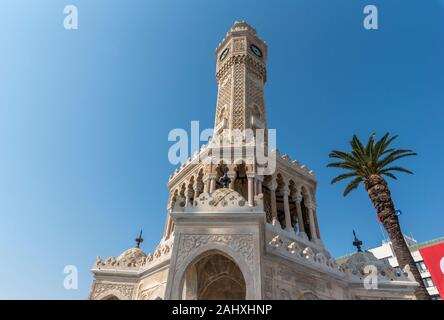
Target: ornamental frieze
[(240, 243), (124, 289)]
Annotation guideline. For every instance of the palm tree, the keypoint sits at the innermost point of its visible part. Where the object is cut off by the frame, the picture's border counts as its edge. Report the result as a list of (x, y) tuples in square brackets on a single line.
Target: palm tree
[(368, 164)]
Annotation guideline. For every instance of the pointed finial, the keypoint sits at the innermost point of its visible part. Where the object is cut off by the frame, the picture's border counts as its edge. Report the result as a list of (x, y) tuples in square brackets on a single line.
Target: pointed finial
[(139, 239), (357, 243), (225, 179)]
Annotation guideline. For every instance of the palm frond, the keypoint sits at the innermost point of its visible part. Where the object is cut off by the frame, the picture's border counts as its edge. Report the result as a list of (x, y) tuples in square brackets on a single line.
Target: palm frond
[(400, 169), (395, 156), (369, 149), (342, 155), (343, 176), (379, 146), (364, 161), (391, 175), (342, 165), (357, 146), (352, 185), (389, 141)]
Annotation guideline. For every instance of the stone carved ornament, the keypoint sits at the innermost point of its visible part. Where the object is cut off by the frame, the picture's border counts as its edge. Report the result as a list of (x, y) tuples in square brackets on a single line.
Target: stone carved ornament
[(134, 258), (124, 289), (298, 251), (241, 243), (154, 293), (223, 199), (356, 264)]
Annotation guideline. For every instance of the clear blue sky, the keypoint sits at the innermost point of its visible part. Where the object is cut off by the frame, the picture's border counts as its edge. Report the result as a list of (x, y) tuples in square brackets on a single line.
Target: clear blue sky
[(85, 115)]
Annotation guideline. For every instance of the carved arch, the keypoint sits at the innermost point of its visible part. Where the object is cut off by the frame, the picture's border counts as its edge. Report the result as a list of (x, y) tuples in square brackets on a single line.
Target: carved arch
[(176, 287)]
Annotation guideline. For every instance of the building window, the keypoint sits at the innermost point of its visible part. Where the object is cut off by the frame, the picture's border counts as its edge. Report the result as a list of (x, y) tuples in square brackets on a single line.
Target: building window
[(398, 271), (428, 282), (421, 266)]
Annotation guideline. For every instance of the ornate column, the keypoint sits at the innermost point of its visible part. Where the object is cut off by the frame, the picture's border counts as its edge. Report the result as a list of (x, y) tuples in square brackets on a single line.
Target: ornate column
[(232, 176), (188, 194), (259, 184), (312, 222), (272, 188), (212, 178), (318, 232), (298, 200), (250, 177), (285, 192), (170, 227), (197, 190), (167, 224), (315, 220), (206, 182)]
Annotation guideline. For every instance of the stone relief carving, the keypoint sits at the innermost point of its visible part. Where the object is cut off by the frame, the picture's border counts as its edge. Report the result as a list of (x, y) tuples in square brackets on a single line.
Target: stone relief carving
[(152, 293), (296, 249), (125, 289), (135, 258), (221, 200), (132, 258), (356, 264), (284, 295), (241, 243), (309, 296), (239, 45)]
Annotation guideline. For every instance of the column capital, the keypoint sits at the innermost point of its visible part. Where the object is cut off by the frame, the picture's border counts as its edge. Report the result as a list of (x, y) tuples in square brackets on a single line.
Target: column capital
[(260, 178), (231, 174), (297, 198), (311, 206), (211, 175), (285, 191), (272, 186), (251, 175)]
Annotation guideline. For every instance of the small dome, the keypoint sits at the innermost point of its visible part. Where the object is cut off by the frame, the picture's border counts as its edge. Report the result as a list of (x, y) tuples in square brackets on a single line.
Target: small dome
[(132, 257), (362, 258)]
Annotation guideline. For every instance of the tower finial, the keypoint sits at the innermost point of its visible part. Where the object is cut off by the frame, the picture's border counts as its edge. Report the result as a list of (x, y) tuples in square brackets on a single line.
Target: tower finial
[(357, 243), (139, 239)]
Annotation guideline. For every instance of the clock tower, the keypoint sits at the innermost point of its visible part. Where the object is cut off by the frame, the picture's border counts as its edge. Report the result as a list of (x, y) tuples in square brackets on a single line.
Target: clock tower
[(241, 75), (234, 230)]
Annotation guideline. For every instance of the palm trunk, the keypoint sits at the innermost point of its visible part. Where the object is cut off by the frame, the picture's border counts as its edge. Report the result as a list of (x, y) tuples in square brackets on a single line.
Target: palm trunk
[(381, 198)]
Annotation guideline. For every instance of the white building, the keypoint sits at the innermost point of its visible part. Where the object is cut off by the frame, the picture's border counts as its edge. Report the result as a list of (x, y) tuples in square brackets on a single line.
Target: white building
[(385, 251)]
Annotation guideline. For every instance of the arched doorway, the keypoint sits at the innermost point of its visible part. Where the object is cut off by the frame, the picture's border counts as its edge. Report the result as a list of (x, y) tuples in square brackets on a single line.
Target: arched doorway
[(213, 276)]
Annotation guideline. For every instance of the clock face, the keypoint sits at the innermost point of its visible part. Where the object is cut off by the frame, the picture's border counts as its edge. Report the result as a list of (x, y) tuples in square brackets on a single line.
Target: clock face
[(256, 50), (224, 54)]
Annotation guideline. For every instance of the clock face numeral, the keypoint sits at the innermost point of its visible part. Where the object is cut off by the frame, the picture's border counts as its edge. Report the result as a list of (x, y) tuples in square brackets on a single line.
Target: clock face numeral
[(224, 54), (256, 50)]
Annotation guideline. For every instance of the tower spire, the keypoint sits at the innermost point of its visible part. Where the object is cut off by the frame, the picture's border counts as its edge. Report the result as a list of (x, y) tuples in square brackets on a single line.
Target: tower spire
[(357, 243), (139, 239)]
